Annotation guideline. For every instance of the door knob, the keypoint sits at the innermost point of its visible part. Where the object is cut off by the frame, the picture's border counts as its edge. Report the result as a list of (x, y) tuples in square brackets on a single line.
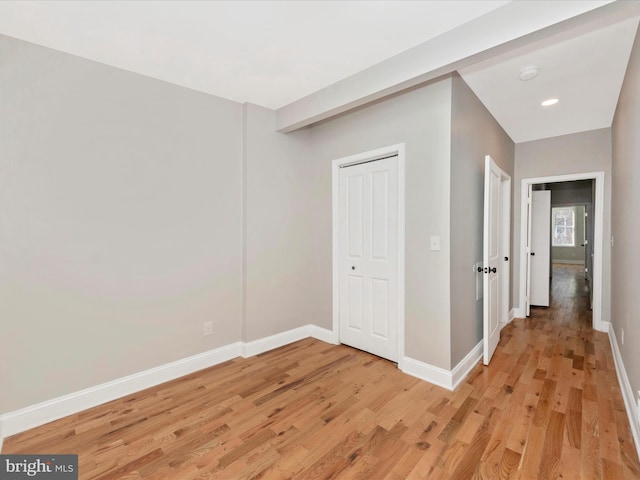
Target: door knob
[(533, 253), (353, 268), (506, 259), (493, 270)]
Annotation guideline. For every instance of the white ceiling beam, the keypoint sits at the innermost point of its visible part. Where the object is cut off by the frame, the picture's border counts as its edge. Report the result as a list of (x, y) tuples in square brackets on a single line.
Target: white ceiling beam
[(508, 27)]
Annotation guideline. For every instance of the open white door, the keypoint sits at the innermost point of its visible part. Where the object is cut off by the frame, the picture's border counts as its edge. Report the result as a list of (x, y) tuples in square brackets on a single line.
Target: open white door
[(497, 198), (527, 305), (540, 248)]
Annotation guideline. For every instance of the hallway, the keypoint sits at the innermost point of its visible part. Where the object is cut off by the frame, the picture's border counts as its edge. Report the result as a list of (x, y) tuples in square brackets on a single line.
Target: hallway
[(569, 297), (576, 425)]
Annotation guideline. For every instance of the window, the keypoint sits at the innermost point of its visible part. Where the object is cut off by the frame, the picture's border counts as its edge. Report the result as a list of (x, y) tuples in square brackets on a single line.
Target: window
[(563, 224)]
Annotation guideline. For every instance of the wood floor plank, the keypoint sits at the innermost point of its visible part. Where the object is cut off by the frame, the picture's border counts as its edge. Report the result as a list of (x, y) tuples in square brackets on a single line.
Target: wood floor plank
[(548, 406)]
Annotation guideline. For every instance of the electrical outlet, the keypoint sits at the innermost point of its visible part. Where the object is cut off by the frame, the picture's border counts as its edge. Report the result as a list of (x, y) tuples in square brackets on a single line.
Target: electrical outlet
[(208, 328), (622, 339)]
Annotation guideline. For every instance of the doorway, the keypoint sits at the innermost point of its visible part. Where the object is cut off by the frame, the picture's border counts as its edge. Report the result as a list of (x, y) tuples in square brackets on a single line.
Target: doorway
[(368, 251), (595, 247)]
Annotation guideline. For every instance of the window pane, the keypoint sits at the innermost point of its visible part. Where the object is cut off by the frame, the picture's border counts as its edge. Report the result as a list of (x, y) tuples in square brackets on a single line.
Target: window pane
[(563, 232)]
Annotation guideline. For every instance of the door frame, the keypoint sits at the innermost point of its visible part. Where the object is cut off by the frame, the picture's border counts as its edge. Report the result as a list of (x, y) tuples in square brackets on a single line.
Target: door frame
[(370, 156), (598, 239)]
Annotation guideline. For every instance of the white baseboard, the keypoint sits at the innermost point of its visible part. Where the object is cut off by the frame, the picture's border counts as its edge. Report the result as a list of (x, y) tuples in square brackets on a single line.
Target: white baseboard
[(460, 371), (436, 375), (33, 416), (440, 376), (512, 315), (606, 327), (256, 347), (323, 334), (625, 387), (50, 410)]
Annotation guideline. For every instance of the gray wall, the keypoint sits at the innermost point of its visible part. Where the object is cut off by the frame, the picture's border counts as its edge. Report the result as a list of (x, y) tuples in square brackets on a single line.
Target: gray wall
[(279, 285), (578, 192), (567, 154), (135, 210), (120, 225), (626, 230), (474, 134), (422, 120)]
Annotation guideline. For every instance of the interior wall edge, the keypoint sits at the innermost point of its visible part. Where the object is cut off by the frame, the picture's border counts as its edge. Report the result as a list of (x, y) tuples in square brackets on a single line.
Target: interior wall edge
[(449, 379), (256, 347)]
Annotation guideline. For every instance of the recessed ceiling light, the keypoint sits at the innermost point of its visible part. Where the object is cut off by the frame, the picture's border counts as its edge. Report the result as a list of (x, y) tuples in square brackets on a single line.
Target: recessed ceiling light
[(548, 102), (527, 73)]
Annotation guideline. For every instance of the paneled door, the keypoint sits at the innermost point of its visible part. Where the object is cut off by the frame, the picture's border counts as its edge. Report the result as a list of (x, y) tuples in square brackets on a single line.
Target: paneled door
[(540, 248), (368, 250), (495, 254)]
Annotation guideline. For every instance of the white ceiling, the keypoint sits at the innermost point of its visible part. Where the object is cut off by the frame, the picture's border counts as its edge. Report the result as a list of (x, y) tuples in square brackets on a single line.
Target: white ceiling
[(265, 52), (583, 72), (272, 53)]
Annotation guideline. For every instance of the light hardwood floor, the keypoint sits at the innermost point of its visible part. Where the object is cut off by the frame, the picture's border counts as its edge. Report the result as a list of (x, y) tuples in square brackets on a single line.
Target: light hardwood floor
[(548, 406)]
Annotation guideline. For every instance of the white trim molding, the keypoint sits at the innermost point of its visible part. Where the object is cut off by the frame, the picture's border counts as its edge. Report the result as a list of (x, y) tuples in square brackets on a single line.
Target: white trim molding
[(256, 347), (436, 375), (510, 318), (50, 410), (599, 322), (440, 376), (33, 416), (625, 387), (323, 334)]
